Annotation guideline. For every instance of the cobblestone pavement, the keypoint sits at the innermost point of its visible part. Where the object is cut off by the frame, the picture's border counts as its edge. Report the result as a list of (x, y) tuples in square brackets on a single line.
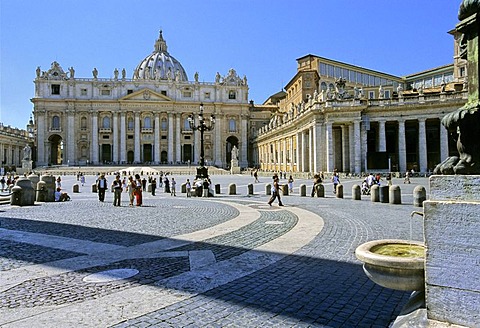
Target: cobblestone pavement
[(227, 261)]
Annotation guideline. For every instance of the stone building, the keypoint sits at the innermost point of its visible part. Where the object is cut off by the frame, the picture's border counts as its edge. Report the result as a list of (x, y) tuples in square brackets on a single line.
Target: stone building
[(12, 144), (337, 116), (143, 119)]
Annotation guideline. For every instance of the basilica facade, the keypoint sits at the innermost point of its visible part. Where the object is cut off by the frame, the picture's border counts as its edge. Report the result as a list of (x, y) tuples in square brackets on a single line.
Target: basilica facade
[(143, 119)]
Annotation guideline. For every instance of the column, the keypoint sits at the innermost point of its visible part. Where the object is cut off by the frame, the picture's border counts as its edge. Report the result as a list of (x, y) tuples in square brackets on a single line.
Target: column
[(94, 149), (70, 158), (303, 151), (351, 146), (329, 143), (310, 150), (178, 140), (244, 143), (137, 149), (156, 137), (218, 147), (170, 139), (402, 149), (422, 145), (41, 126), (358, 154), (123, 138), (284, 149), (317, 147), (345, 151), (291, 153), (382, 142), (297, 151), (443, 142), (115, 156)]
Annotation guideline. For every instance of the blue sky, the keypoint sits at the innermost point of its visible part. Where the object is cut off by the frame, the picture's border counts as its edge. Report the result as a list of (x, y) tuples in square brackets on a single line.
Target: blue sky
[(258, 38)]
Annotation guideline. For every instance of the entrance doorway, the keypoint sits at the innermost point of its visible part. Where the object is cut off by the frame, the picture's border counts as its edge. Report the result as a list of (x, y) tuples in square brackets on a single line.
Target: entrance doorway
[(231, 141), (106, 153), (56, 149), (147, 153)]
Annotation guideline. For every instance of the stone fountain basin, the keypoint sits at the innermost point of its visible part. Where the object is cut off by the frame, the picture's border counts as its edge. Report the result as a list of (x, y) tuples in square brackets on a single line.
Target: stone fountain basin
[(394, 272)]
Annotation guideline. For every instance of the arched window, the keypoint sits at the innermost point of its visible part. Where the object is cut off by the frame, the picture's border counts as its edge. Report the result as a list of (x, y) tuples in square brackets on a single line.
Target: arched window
[(164, 124), (323, 86), (232, 94), (56, 122), (130, 125), (232, 125), (83, 123), (106, 122), (147, 123)]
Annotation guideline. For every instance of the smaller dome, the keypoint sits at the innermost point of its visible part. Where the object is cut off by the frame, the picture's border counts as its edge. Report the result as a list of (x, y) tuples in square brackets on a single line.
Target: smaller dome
[(160, 65)]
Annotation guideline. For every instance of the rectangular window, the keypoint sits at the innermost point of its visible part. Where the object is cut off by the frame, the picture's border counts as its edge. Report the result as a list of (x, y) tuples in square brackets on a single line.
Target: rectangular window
[(187, 137), (330, 70), (387, 94), (232, 95), (164, 137), (55, 89), (105, 93), (106, 136), (187, 94), (130, 137), (371, 95), (163, 92), (207, 95), (129, 91), (83, 92)]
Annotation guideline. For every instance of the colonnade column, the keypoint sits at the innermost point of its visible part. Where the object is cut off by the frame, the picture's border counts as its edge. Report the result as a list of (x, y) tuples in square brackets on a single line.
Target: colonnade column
[(170, 139), (443, 142), (358, 154), (329, 143), (115, 156), (284, 151), (178, 138), (345, 149), (123, 138), (422, 145), (382, 141), (137, 138), (297, 151), (303, 151), (70, 158), (94, 149), (291, 153), (402, 149), (197, 146), (40, 138), (218, 147), (156, 138), (244, 145), (351, 145), (310, 149)]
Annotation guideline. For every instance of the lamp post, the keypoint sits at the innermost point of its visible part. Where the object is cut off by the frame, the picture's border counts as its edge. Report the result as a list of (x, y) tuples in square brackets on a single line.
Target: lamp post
[(202, 171)]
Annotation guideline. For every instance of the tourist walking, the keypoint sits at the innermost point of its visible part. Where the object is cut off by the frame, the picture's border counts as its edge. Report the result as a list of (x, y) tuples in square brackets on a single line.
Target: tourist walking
[(101, 187), (138, 190), (2, 182), (166, 184), (255, 175), (336, 181), (131, 186), (82, 179), (153, 185), (205, 186), (173, 183), (188, 187), (290, 184), (275, 192), (117, 190)]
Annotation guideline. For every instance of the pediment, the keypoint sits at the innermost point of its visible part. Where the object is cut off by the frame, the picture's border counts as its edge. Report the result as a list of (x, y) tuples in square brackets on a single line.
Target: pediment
[(145, 95)]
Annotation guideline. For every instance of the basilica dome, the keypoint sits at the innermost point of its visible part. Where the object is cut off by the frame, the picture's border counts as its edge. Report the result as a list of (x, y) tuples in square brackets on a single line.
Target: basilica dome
[(160, 65)]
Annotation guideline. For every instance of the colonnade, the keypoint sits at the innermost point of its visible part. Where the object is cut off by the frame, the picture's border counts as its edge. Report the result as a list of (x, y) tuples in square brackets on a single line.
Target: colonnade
[(328, 146)]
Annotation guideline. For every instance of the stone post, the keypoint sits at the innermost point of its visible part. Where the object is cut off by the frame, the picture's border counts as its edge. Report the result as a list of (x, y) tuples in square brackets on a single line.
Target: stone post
[(339, 191), (356, 193), (419, 196), (384, 193), (284, 189), (374, 193), (232, 189), (319, 190), (303, 190), (395, 195), (268, 189), (250, 188)]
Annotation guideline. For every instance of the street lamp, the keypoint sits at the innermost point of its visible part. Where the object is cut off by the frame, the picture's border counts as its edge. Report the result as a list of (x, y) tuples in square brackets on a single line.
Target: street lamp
[(202, 171)]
